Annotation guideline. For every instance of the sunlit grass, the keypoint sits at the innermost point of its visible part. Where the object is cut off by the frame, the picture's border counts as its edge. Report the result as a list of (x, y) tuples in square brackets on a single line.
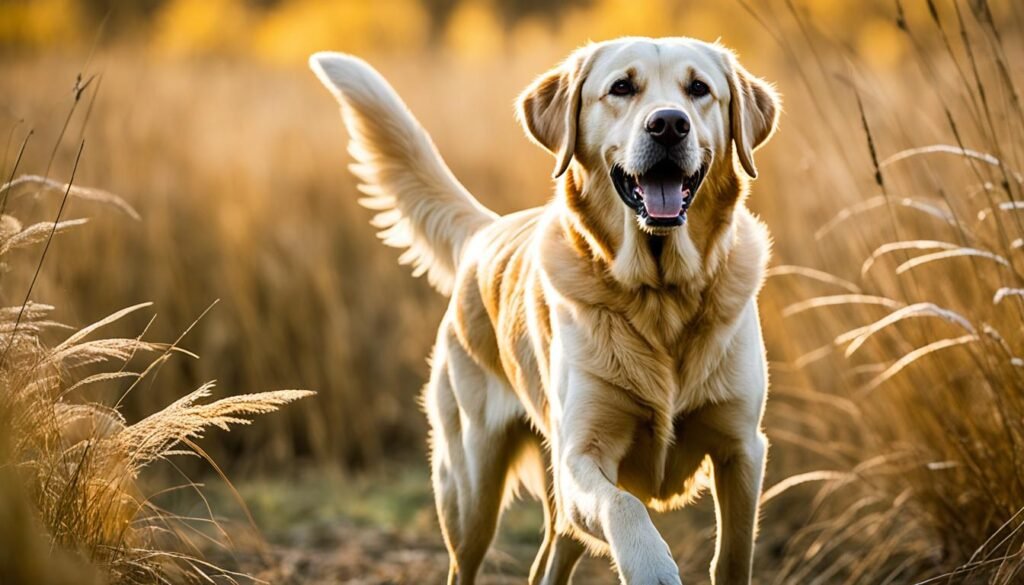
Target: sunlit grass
[(73, 506), (892, 312)]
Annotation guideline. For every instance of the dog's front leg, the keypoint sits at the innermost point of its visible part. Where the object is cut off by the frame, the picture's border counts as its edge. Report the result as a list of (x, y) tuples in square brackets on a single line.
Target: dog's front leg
[(595, 432), (738, 475)]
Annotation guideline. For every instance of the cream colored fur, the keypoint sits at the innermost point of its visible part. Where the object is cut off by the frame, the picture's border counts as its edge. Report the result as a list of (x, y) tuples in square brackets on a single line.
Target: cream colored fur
[(607, 367)]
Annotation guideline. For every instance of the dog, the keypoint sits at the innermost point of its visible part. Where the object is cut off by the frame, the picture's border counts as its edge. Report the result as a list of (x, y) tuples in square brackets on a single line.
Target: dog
[(603, 351)]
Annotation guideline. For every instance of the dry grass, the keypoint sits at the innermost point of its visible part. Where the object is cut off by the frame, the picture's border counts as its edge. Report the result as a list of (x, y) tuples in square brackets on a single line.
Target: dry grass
[(893, 314), (73, 507), (908, 356)]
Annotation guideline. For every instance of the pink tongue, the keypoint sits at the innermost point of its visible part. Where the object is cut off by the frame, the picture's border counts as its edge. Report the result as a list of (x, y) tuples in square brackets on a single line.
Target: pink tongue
[(663, 198)]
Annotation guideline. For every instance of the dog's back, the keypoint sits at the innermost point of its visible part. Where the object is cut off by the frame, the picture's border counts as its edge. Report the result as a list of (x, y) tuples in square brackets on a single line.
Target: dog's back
[(497, 298)]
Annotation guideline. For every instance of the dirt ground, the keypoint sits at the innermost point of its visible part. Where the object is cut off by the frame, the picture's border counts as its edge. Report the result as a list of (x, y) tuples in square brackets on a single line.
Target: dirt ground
[(369, 556), (320, 528)]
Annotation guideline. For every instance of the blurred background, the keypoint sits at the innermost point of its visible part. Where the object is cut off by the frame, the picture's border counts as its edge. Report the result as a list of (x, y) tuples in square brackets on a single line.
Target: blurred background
[(892, 315)]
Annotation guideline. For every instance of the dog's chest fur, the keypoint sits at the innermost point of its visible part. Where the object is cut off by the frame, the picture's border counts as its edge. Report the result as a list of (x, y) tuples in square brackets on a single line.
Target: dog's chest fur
[(667, 340), (667, 347), (664, 345)]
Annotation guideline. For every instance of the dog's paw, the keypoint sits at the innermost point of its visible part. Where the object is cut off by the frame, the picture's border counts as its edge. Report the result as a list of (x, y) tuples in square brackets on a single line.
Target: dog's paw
[(669, 579), (661, 570)]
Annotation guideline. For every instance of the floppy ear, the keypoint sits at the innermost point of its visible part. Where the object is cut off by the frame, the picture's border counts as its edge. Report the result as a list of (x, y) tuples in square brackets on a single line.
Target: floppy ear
[(549, 108), (753, 112)]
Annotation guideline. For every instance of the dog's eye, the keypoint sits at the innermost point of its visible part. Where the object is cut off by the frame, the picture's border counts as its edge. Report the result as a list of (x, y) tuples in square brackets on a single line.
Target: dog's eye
[(622, 87), (698, 88)]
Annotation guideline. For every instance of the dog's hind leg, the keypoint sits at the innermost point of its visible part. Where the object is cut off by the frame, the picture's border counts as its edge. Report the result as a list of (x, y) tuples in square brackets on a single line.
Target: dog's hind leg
[(556, 560), (540, 562), (563, 554), (471, 457)]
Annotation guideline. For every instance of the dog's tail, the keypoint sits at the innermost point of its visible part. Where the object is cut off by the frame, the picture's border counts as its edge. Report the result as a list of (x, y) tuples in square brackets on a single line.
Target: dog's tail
[(422, 207)]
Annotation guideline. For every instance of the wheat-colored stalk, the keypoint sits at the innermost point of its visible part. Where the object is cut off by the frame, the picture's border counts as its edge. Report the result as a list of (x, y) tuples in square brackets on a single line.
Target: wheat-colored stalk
[(79, 461)]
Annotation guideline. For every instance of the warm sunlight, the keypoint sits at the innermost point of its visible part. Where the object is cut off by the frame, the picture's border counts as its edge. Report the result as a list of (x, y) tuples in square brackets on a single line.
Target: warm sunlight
[(763, 327)]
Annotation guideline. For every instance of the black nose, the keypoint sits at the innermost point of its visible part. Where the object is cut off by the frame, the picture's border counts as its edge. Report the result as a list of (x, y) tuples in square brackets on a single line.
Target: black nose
[(668, 126)]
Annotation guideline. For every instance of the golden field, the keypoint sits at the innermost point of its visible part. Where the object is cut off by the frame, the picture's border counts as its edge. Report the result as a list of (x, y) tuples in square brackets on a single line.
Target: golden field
[(893, 314)]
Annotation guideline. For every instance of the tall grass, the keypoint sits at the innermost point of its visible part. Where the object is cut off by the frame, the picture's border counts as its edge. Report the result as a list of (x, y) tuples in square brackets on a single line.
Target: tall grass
[(904, 375), (73, 508), (893, 313)]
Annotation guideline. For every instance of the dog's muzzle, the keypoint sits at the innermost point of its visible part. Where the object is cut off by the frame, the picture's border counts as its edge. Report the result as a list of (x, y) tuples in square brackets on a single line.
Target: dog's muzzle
[(662, 194)]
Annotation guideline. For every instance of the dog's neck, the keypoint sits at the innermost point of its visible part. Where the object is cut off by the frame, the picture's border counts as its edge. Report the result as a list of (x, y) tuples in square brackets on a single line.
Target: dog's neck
[(601, 228)]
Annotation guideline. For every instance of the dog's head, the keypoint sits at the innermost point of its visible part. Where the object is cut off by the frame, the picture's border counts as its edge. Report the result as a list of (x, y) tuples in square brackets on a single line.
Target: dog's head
[(648, 118)]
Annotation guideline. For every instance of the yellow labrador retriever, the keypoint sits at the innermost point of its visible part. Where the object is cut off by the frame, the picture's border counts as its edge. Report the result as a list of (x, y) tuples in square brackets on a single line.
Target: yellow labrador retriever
[(603, 351)]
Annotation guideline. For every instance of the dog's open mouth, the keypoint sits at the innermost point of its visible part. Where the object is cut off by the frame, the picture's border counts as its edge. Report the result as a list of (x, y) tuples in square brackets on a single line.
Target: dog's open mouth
[(661, 195)]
